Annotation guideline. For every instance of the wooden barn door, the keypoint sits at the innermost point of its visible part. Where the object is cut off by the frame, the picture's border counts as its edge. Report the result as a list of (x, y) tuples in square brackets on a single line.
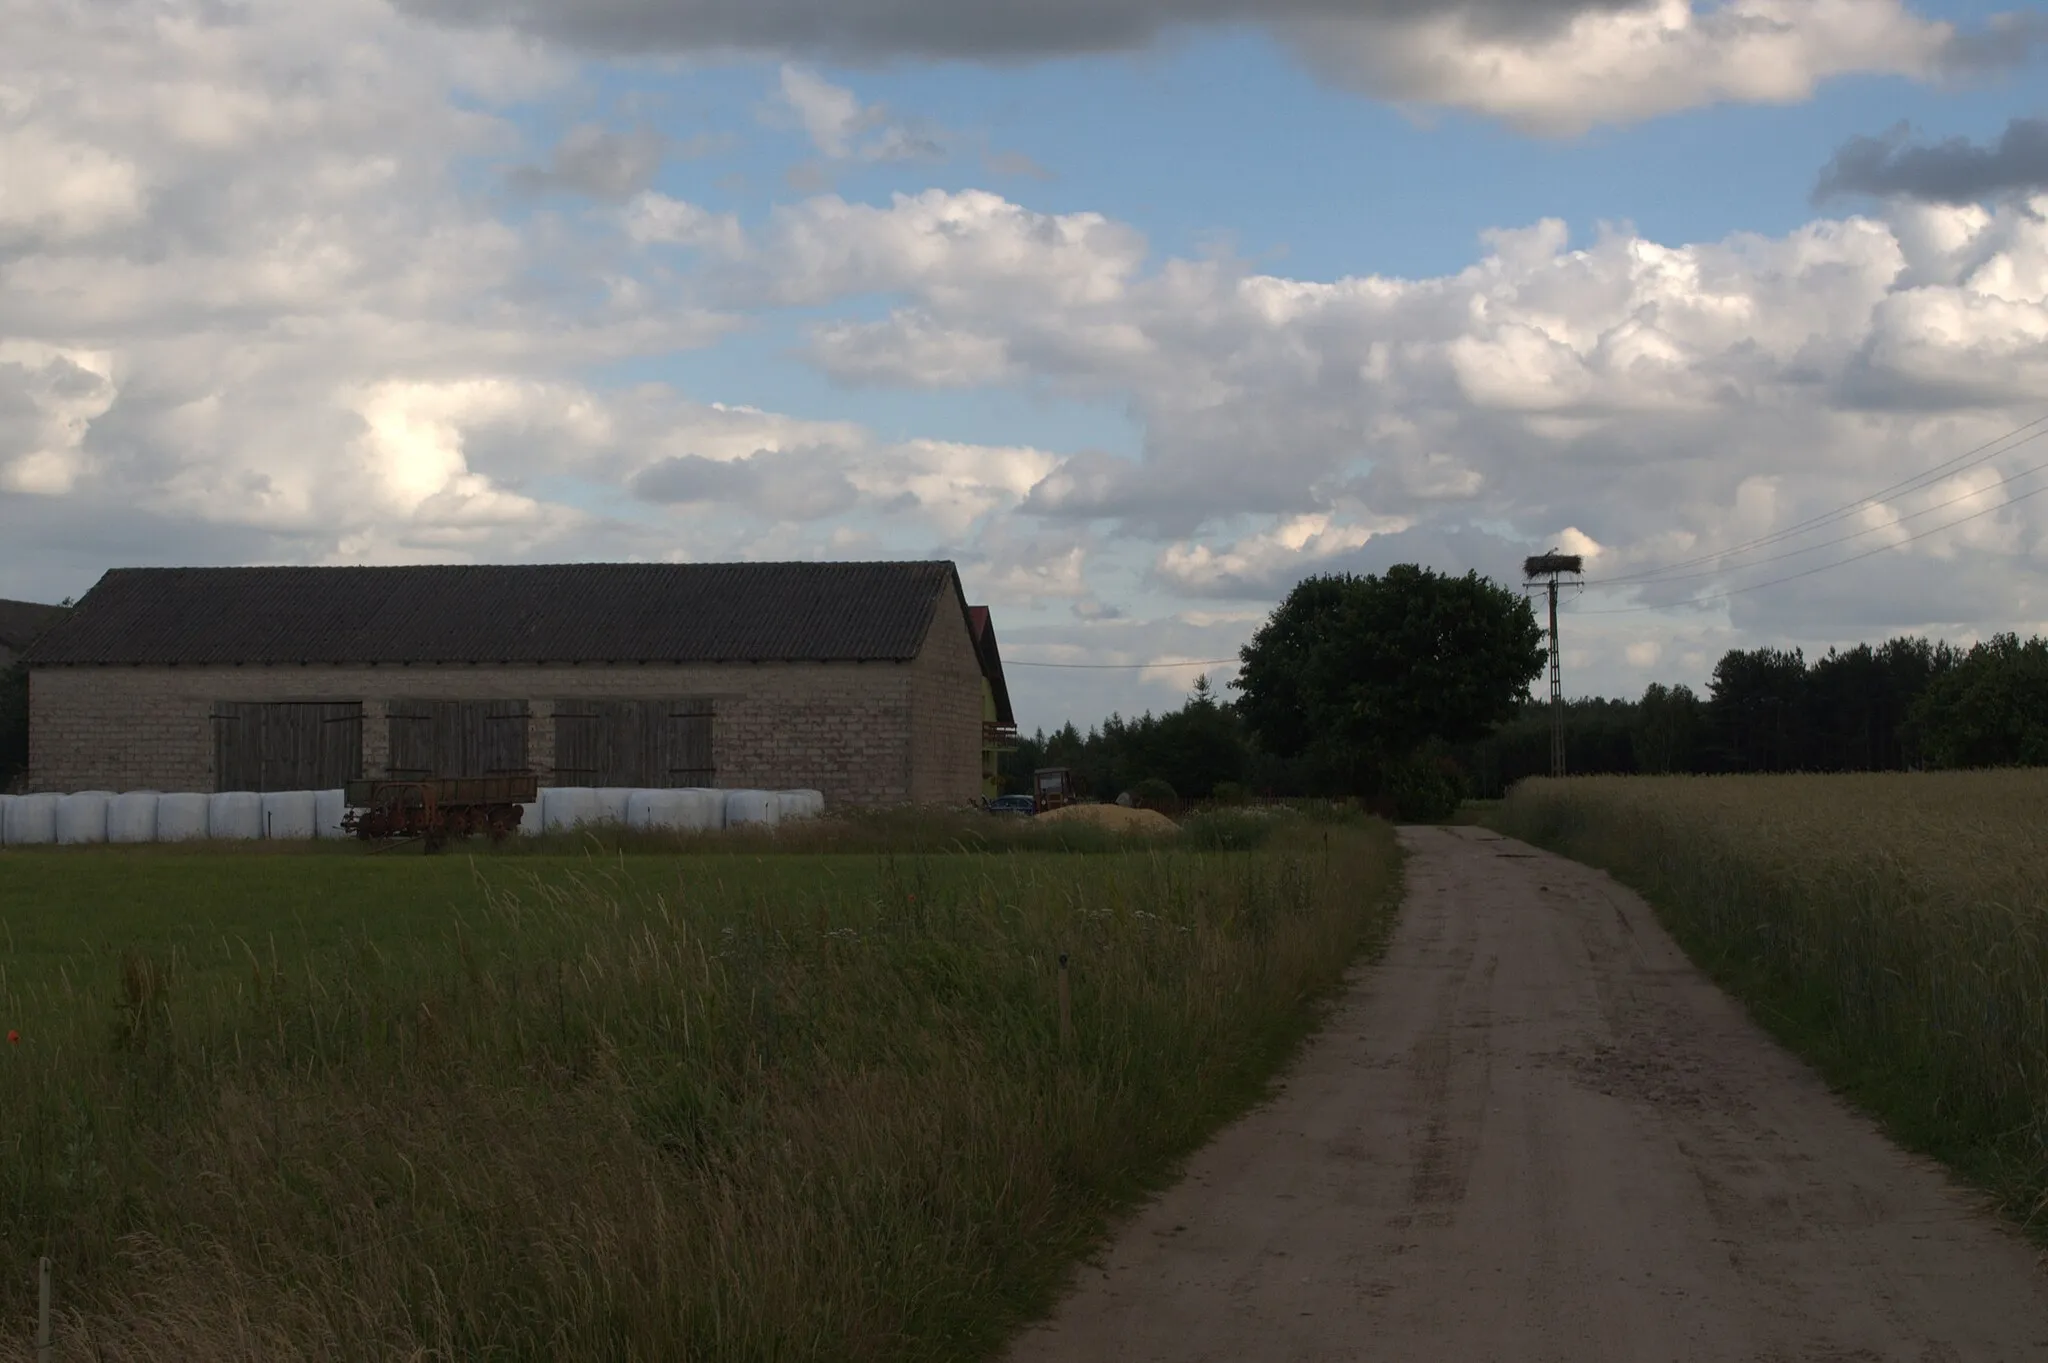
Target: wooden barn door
[(643, 743), (431, 738), (286, 745), (680, 747), (583, 746)]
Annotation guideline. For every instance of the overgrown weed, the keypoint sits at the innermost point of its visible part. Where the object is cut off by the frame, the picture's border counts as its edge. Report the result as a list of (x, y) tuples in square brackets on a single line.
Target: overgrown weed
[(590, 1120)]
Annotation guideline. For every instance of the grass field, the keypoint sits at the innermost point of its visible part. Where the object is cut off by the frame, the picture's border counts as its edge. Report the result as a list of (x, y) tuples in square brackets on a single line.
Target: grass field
[(1892, 928), (799, 1098)]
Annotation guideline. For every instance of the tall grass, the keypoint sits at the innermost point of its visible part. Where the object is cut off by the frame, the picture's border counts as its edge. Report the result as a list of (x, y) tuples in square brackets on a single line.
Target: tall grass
[(594, 1122), (1893, 928)]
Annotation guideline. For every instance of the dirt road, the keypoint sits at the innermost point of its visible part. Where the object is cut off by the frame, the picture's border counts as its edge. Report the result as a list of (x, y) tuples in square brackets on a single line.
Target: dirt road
[(1535, 1132)]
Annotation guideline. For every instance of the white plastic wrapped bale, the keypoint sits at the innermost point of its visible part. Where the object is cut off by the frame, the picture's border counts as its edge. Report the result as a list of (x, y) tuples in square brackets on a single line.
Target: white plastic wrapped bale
[(290, 815), (654, 809), (563, 808), (703, 809), (180, 818), (677, 811), (611, 803), (530, 820), (799, 804), (32, 820), (744, 808), (82, 816), (131, 816), (234, 815), (5, 800), (328, 808)]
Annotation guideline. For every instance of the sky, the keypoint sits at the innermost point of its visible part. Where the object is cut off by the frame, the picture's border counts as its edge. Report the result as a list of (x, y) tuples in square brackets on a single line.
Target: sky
[(1138, 310)]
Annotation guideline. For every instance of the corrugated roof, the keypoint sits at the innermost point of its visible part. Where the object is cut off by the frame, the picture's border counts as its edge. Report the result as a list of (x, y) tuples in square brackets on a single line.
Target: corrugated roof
[(582, 612)]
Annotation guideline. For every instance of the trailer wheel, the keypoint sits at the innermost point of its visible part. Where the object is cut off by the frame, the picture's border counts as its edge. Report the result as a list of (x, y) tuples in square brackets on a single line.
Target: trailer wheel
[(500, 820)]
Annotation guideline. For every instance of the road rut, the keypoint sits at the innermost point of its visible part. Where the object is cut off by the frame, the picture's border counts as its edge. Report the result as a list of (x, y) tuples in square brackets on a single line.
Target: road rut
[(1535, 1132)]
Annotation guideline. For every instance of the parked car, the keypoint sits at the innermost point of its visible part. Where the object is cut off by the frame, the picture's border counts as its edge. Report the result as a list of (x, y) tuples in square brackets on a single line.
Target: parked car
[(1013, 804)]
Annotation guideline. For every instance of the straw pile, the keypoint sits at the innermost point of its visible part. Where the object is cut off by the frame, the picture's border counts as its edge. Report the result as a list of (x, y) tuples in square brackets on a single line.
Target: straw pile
[(1116, 818)]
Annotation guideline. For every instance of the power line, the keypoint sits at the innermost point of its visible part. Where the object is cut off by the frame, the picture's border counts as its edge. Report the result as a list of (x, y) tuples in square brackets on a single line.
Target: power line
[(1968, 458), (1127, 667), (1839, 563), (1652, 577), (1856, 535)]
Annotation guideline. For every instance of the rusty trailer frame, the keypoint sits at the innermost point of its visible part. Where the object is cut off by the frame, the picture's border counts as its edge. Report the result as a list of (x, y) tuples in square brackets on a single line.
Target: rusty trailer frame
[(435, 809)]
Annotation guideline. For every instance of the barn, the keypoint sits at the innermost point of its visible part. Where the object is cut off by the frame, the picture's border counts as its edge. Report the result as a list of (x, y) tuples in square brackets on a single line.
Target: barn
[(869, 682)]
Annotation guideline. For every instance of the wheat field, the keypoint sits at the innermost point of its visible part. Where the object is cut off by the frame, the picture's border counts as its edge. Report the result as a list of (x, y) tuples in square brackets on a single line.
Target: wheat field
[(1893, 928)]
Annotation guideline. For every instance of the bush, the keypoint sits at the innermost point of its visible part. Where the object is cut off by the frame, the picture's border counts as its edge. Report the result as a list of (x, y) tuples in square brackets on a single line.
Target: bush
[(1153, 793), (1230, 793), (1228, 830), (1348, 813), (1424, 787)]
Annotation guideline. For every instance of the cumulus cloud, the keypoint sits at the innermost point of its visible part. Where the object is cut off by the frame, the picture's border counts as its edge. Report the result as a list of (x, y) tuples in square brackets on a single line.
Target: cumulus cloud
[(1553, 66), (250, 310), (597, 161), (48, 400), (946, 486), (254, 310), (801, 485), (1271, 558), (1654, 400), (911, 350), (940, 245), (655, 219), (842, 128), (238, 226), (865, 30), (1955, 171), (1625, 64), (62, 190)]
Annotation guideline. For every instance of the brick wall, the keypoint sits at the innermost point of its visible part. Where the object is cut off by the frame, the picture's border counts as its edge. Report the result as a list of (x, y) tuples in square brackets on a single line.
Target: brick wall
[(945, 705), (842, 728)]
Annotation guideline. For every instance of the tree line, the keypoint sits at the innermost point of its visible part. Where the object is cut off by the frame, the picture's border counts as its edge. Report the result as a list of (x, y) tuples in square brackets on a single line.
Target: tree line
[(1906, 704), (1411, 690)]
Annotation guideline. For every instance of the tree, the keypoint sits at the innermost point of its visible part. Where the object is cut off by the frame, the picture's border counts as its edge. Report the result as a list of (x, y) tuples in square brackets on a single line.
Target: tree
[(1858, 701), (1192, 749), (1666, 737), (1600, 736), (1274, 683), (1989, 709), (13, 723), (1354, 675), (1758, 709)]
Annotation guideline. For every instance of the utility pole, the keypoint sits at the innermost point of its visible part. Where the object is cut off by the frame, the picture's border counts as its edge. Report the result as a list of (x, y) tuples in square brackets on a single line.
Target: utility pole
[(1545, 571)]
